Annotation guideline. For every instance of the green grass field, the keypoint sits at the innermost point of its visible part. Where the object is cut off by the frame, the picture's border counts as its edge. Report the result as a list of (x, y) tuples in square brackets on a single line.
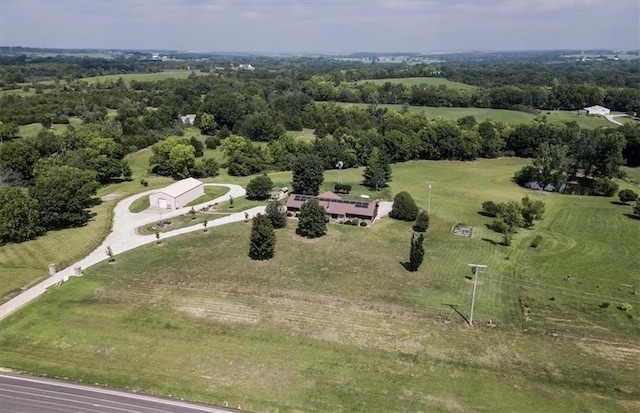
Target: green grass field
[(337, 324), (502, 115), (411, 81)]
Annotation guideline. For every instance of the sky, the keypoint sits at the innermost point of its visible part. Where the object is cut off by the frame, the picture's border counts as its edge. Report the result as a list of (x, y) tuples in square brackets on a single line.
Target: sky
[(322, 26)]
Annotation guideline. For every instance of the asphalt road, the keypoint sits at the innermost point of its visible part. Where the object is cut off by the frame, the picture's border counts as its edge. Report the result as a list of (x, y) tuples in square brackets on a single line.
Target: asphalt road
[(23, 394)]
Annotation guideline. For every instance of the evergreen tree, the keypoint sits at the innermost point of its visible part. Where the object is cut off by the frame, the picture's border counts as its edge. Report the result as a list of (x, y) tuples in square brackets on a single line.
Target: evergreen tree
[(263, 238), (422, 222), (312, 220), (404, 207), (276, 214), (378, 171), (308, 175), (416, 255)]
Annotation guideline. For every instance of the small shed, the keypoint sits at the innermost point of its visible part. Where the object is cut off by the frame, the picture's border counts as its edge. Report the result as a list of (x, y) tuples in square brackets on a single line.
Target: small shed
[(177, 195)]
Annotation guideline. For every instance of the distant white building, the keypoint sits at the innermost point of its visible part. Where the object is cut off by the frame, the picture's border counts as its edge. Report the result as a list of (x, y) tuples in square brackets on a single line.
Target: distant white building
[(595, 110), (188, 119), (246, 67)]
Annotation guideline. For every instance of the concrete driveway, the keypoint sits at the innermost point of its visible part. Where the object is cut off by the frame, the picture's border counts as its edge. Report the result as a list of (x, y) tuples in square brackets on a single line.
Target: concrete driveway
[(123, 237)]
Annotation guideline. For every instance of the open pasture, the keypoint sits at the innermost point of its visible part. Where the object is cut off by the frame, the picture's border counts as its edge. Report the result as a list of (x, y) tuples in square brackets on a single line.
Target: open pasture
[(337, 324)]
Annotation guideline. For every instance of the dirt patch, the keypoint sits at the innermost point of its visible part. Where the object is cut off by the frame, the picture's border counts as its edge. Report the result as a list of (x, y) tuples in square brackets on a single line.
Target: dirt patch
[(112, 196)]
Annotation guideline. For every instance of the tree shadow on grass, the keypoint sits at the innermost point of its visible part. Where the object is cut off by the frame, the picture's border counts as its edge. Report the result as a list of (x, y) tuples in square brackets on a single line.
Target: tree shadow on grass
[(619, 203), (490, 241), (407, 266), (631, 216), (486, 214)]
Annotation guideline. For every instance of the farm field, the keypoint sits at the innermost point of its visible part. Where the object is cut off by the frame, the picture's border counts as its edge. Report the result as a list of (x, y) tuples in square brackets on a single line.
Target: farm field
[(337, 324), (432, 81), (502, 115)]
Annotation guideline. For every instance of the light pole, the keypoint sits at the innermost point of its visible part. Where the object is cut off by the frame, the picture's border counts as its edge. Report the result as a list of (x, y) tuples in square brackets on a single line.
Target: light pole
[(475, 281), (429, 202)]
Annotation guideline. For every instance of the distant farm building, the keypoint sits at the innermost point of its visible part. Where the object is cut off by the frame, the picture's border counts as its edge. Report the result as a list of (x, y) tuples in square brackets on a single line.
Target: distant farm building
[(177, 195), (336, 208), (188, 119), (594, 110)]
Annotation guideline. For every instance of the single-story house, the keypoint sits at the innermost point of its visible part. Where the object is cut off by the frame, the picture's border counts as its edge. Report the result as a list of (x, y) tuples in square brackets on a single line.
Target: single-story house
[(336, 208), (177, 195), (188, 119), (595, 110)]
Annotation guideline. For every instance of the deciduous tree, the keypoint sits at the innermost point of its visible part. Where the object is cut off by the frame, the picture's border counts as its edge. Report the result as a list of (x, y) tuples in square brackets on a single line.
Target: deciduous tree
[(531, 211), (259, 188), (308, 175), (64, 193), (19, 216)]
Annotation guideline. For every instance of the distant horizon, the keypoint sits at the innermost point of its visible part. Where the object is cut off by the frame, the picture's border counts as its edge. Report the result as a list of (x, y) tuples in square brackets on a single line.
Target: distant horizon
[(301, 52), (322, 26)]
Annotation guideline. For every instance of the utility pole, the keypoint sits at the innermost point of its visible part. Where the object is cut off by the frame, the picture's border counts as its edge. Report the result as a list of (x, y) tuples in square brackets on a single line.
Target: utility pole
[(475, 282), (429, 202)]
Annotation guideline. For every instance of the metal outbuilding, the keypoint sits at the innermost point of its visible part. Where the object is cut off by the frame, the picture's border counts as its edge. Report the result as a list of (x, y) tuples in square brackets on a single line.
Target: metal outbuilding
[(177, 195)]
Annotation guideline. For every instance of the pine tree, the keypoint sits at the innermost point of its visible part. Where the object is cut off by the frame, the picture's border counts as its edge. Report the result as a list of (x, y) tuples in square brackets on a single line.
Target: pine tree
[(404, 207), (416, 255), (378, 171), (312, 220), (263, 238), (422, 222), (276, 214)]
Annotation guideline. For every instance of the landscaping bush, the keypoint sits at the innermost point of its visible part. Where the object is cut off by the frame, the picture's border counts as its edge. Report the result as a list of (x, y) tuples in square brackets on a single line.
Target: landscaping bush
[(605, 187), (404, 207), (363, 224), (342, 188), (490, 208), (422, 222), (627, 195)]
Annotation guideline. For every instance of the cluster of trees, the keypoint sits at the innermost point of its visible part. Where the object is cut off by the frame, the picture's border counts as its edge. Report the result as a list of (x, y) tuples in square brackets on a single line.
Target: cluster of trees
[(177, 158), (510, 216)]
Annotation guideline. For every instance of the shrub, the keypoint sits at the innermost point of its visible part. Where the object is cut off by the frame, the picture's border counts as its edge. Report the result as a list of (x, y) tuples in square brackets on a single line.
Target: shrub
[(363, 223), (527, 174), (536, 241), (626, 307), (605, 187), (422, 222), (342, 188), (627, 195), (404, 207), (490, 208), (212, 142), (144, 182)]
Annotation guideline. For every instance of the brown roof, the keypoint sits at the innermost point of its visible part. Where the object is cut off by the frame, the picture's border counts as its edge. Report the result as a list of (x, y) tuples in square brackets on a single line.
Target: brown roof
[(333, 204)]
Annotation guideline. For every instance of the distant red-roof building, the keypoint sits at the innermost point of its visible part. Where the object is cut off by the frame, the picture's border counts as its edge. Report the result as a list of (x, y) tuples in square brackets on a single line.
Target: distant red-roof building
[(336, 207)]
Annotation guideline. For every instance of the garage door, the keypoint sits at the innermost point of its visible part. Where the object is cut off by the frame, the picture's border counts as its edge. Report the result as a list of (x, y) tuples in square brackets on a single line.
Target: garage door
[(162, 203)]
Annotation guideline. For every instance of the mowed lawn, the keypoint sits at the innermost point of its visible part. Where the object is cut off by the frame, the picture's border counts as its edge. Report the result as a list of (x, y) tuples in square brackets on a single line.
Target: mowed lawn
[(411, 81), (337, 324)]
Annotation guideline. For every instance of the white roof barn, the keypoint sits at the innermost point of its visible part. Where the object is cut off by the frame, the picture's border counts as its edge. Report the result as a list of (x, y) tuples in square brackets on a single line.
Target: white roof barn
[(597, 110), (177, 195)]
